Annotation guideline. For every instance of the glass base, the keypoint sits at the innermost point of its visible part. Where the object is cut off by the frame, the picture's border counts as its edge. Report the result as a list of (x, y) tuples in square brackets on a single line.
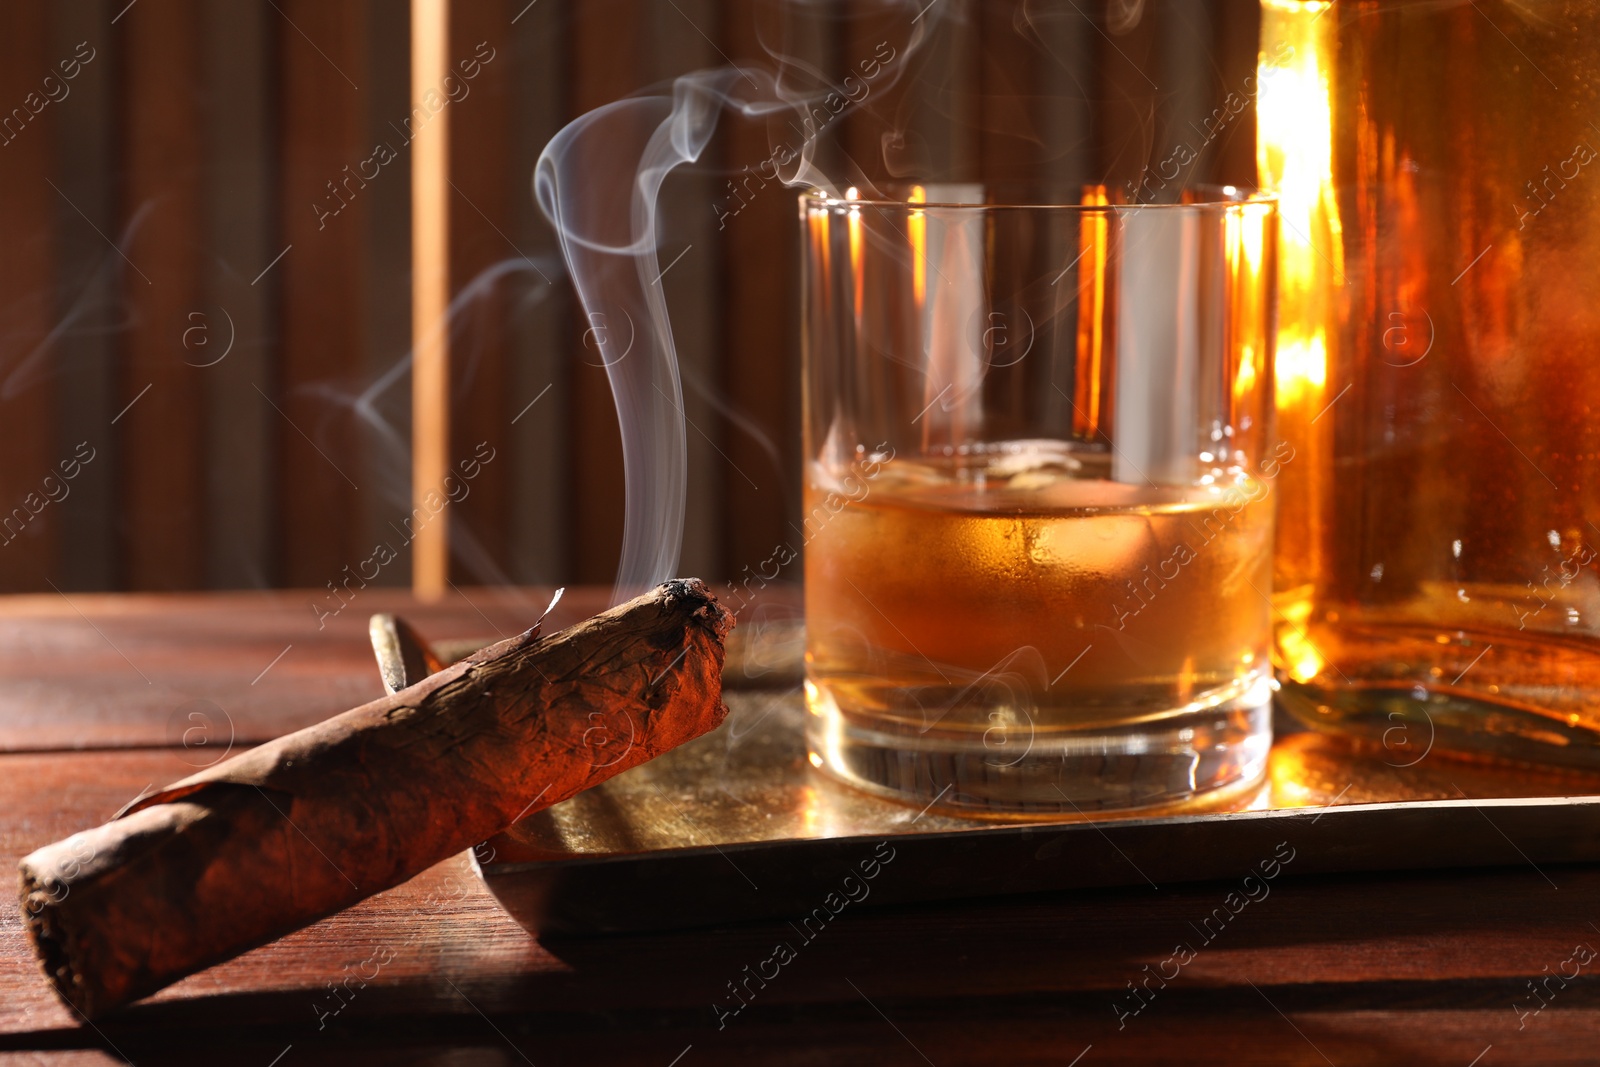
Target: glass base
[(1192, 757), (1414, 689)]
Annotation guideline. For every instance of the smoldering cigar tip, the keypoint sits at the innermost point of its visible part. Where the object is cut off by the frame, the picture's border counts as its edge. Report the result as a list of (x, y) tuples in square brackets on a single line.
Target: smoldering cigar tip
[(702, 603)]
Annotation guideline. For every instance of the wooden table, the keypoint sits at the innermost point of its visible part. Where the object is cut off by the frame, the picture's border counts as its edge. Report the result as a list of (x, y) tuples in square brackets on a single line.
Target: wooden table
[(106, 696)]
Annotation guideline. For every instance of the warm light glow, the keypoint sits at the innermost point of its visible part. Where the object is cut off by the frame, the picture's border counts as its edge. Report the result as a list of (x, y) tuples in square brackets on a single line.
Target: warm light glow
[(819, 225), (1302, 367), (1250, 240), (1294, 152), (857, 253), (430, 298), (1298, 654), (917, 229), (1244, 241), (1294, 119), (1094, 245), (1245, 380)]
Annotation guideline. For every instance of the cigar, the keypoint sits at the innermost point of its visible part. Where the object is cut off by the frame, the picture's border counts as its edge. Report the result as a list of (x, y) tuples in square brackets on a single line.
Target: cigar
[(292, 831)]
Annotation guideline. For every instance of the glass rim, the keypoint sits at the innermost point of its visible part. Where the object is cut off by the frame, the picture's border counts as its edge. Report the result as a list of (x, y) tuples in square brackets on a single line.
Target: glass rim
[(1213, 198)]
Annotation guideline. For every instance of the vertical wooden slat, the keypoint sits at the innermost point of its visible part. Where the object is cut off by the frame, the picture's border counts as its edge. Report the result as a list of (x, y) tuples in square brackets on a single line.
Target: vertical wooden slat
[(322, 63), (1190, 91), (1237, 28), (759, 298), (229, 338), (607, 54), (814, 45), (430, 301), (919, 117), (27, 543), (1066, 107), (162, 432), (952, 121), (187, 117), (480, 158), (1128, 87), (86, 288), (385, 427), (1009, 138), (539, 372), (688, 255), (1012, 155), (1066, 118)]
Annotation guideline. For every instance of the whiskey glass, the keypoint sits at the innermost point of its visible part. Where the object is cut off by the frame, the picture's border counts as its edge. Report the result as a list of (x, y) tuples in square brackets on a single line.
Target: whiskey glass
[(1038, 508)]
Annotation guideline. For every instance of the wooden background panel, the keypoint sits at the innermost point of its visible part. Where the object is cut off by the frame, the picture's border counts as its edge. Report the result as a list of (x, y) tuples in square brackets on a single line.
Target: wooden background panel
[(236, 137), (1237, 44), (757, 227), (925, 127), (1190, 81), (1010, 135), (619, 47), (1065, 74), (162, 433), (29, 529), (87, 312), (230, 338), (324, 210), (683, 41), (510, 357), (481, 213), (609, 59), (381, 415), (546, 352)]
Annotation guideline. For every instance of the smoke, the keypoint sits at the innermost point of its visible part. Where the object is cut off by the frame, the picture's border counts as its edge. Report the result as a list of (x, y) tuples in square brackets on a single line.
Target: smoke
[(96, 308), (598, 182), (381, 411), (1077, 109)]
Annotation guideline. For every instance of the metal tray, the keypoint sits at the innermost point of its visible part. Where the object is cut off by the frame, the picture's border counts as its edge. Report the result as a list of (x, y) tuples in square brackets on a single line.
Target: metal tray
[(737, 826)]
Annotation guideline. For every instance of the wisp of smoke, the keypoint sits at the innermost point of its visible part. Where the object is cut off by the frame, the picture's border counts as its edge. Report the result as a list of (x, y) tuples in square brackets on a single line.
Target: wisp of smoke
[(598, 181)]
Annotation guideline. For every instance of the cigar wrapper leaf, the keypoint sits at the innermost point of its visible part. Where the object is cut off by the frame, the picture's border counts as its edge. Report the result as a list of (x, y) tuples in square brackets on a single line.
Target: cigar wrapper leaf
[(301, 827)]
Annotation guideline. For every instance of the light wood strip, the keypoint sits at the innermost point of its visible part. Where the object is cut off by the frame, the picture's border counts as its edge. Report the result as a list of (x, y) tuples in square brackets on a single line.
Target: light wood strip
[(430, 261)]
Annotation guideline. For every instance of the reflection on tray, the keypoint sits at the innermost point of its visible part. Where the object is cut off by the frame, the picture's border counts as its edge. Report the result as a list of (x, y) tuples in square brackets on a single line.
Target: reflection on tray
[(749, 782)]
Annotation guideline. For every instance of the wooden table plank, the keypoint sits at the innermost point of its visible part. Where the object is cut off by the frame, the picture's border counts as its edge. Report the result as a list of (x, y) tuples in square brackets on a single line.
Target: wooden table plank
[(95, 671), (1342, 957), (1416, 968)]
